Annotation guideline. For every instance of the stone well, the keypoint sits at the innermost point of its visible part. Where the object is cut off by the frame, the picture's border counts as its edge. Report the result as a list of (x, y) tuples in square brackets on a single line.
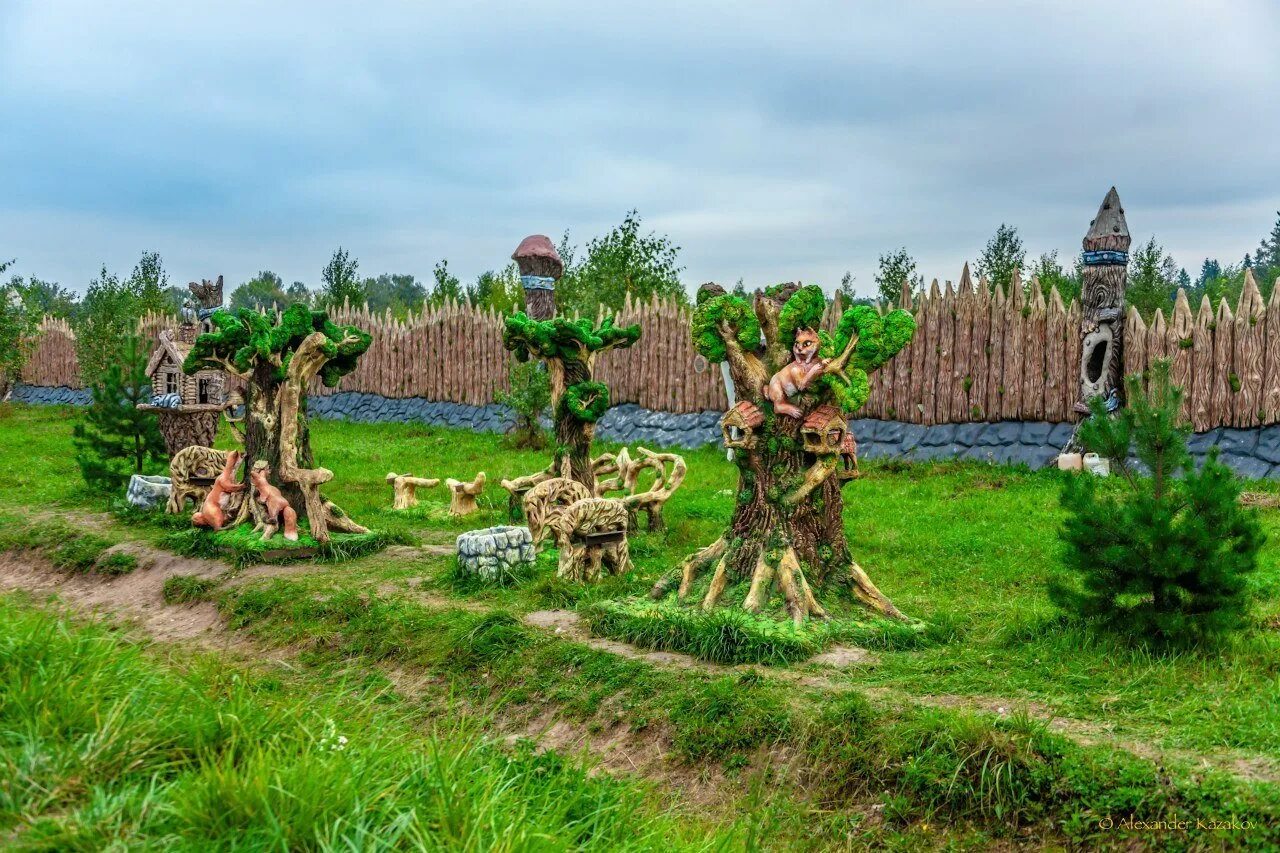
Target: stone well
[(495, 552)]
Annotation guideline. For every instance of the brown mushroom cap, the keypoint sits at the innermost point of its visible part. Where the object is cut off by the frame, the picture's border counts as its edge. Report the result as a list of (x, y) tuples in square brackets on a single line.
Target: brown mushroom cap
[(537, 255)]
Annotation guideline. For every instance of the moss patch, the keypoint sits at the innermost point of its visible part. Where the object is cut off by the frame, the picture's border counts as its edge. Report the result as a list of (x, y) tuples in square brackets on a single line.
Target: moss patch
[(730, 635), (243, 546)]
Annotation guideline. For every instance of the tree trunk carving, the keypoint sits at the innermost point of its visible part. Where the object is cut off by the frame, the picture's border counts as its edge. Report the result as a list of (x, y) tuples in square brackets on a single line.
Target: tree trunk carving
[(787, 532)]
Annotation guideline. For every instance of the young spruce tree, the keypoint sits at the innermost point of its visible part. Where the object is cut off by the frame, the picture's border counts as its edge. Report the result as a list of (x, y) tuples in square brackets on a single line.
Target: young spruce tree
[(115, 439), (1167, 557)]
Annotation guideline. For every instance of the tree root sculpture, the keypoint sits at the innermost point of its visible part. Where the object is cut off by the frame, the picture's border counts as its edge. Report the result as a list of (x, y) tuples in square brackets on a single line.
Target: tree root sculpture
[(404, 489), (463, 495), (603, 465), (591, 535), (547, 499), (670, 470)]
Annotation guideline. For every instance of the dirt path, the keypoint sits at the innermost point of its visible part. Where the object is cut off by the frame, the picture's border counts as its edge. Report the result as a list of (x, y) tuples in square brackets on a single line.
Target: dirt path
[(138, 597)]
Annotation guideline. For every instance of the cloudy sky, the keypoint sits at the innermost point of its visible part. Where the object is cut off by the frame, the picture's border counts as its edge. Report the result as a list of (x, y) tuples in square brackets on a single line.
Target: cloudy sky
[(771, 141)]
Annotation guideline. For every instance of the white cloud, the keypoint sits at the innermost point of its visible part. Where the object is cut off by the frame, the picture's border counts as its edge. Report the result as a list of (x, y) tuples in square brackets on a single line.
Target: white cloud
[(769, 140)]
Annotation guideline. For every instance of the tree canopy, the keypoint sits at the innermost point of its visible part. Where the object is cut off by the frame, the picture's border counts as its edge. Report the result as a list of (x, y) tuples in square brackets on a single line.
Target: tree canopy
[(1001, 256), (623, 261), (264, 291), (564, 339), (341, 281), (728, 317), (897, 268), (246, 338)]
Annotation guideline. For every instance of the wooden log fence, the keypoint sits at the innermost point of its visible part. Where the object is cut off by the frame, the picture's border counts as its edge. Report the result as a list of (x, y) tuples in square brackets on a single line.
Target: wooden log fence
[(978, 355)]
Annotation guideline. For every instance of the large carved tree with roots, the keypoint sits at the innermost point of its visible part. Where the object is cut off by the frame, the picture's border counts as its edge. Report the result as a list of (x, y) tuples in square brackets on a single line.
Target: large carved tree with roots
[(569, 348), (792, 446), (277, 360)]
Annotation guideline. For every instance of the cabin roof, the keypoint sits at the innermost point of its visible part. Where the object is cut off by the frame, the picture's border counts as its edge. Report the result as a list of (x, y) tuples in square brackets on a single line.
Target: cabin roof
[(749, 412), (175, 351), (822, 417)]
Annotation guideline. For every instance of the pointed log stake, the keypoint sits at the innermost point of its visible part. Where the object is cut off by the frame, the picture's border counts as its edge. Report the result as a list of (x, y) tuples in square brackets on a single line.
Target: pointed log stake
[(1225, 382), (463, 500), (1271, 360), (1203, 368), (1250, 346), (1135, 336), (1179, 349)]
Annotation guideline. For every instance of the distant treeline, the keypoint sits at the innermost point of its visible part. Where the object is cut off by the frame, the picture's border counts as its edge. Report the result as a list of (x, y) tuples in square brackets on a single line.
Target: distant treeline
[(626, 261)]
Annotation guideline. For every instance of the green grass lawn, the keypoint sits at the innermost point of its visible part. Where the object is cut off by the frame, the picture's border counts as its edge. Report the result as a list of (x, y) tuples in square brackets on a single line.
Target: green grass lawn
[(965, 548)]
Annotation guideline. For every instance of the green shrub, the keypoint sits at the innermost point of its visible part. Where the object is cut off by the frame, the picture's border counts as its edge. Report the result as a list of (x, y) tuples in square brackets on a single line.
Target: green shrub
[(1167, 557), (529, 398)]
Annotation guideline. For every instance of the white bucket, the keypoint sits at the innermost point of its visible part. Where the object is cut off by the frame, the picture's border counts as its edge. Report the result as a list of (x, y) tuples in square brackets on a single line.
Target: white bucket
[(1096, 465)]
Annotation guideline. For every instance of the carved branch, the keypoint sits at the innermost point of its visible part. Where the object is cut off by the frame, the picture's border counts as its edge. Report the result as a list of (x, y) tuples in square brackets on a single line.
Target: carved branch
[(818, 472), (749, 373)]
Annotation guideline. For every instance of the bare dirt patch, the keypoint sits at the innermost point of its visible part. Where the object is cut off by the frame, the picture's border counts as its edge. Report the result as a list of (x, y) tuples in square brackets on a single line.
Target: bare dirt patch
[(137, 596)]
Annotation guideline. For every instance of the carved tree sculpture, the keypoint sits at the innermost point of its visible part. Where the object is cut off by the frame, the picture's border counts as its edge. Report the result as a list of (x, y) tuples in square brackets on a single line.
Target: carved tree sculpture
[(404, 488), (1106, 260), (277, 361), (548, 498), (569, 348), (626, 478), (519, 487), (463, 495), (591, 534), (786, 527)]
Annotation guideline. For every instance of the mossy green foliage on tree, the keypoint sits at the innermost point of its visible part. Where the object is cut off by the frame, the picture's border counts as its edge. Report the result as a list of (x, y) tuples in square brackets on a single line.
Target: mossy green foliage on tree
[(562, 338), (586, 401), (880, 338), (245, 336), (730, 309), (572, 343), (1168, 557), (114, 439)]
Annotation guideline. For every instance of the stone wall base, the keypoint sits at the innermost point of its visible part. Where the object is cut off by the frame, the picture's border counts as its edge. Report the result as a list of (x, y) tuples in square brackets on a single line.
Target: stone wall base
[(1253, 453)]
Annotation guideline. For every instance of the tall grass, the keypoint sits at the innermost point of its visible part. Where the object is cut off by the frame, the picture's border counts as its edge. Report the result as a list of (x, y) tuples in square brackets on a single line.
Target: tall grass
[(105, 746)]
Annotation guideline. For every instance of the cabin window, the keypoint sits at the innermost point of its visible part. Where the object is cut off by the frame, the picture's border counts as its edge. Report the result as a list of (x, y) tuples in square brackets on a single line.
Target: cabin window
[(171, 383), (202, 392)]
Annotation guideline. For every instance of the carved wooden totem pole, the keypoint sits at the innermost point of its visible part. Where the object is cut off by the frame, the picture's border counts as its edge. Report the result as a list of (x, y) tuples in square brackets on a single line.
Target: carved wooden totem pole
[(1106, 263)]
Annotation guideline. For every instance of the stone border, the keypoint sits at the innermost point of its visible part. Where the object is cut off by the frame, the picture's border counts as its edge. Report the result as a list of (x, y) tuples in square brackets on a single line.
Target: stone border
[(42, 395), (1253, 453)]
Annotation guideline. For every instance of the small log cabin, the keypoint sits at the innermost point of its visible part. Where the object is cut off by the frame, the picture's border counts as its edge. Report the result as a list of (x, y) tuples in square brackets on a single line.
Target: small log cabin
[(206, 387)]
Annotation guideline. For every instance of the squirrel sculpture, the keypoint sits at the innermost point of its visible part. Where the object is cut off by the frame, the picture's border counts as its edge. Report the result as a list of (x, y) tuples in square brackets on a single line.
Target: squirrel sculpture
[(798, 374), (277, 506), (213, 513)]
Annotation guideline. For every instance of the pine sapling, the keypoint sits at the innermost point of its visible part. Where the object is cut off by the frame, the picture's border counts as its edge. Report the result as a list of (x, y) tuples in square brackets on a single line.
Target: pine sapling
[(1167, 555), (115, 439)]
